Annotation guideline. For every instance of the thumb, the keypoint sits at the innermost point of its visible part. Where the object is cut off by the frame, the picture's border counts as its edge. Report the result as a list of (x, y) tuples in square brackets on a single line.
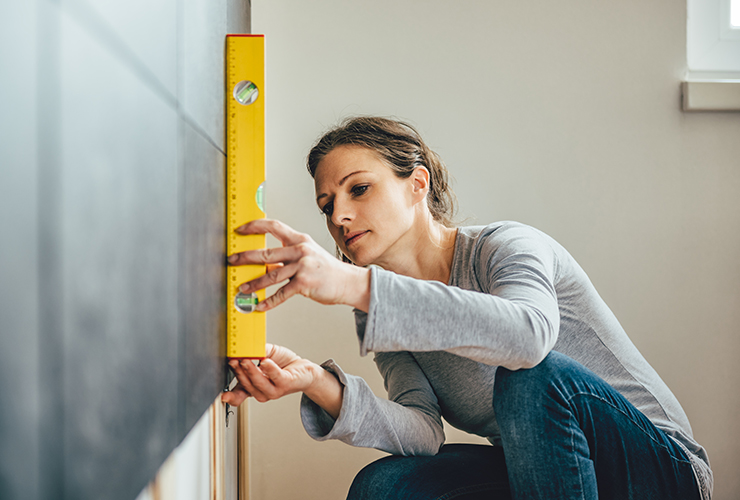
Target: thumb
[(271, 369)]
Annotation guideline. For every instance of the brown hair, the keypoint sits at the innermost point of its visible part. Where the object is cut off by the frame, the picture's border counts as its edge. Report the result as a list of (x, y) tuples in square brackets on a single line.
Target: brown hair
[(401, 147)]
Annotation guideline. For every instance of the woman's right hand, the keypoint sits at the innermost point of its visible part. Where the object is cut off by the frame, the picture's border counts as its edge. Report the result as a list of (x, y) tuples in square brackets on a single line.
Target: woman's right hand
[(310, 270)]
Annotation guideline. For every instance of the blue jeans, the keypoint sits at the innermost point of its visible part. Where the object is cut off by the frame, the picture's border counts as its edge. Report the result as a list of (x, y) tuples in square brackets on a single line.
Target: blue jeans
[(566, 434)]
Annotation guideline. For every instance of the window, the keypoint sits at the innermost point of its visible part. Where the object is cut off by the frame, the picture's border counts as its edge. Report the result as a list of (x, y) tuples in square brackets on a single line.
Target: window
[(713, 56), (713, 38)]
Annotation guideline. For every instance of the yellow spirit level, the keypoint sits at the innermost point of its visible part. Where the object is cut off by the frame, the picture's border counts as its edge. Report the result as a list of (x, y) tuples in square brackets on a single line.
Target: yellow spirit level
[(245, 177)]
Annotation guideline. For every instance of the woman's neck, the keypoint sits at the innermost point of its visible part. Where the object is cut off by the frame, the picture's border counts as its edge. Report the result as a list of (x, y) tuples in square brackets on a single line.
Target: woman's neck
[(426, 252)]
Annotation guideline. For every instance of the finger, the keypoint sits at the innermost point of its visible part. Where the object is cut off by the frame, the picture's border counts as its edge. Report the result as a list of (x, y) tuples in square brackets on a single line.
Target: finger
[(274, 277), (279, 355), (254, 376), (239, 390), (273, 372), (286, 234), (284, 293), (267, 256), (241, 375), (235, 397), (261, 382), (270, 349), (236, 368)]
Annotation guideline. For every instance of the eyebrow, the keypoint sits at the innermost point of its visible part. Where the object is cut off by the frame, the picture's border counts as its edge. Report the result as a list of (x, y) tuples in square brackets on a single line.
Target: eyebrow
[(344, 179)]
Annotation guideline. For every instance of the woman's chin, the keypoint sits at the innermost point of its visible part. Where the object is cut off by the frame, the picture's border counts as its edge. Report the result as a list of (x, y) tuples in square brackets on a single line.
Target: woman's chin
[(355, 260), (358, 258), (362, 254)]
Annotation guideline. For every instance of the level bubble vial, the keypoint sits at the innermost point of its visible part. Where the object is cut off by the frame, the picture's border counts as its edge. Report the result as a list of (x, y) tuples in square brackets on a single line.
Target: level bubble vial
[(246, 92), (246, 302), (260, 196)]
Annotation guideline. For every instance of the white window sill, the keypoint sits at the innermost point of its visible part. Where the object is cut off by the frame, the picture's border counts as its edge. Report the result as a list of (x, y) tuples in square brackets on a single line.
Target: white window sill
[(711, 95)]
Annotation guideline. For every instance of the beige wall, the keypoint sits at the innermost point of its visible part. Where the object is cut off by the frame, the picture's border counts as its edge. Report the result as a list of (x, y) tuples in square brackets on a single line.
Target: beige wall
[(564, 115)]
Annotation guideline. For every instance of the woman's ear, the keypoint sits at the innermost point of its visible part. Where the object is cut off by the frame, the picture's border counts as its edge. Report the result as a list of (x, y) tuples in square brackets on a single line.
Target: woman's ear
[(420, 183)]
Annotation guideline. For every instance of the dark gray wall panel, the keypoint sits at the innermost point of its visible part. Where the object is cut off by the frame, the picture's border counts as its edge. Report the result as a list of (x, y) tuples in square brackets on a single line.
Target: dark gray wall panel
[(119, 259), (111, 239), (141, 32), (239, 16), (204, 24), (19, 404), (203, 275)]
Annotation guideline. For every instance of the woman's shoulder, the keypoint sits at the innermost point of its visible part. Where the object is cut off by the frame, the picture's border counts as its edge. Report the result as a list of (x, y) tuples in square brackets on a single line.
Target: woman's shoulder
[(485, 247), (503, 232)]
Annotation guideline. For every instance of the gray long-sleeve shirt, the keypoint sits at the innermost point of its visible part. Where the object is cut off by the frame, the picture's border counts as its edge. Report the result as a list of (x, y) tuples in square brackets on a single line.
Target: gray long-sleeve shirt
[(514, 294)]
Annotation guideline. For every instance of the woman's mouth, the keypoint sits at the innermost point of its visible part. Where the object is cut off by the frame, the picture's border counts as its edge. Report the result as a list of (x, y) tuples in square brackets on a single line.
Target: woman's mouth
[(353, 237)]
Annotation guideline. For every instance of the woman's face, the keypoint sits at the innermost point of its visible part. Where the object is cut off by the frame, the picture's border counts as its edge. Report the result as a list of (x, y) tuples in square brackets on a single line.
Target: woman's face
[(369, 210)]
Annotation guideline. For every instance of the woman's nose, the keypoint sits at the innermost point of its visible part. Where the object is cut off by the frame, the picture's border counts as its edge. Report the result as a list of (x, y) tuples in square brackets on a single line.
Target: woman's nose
[(341, 213)]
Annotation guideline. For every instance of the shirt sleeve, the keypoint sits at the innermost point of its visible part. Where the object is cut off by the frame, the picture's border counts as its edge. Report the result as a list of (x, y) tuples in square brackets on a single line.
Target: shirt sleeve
[(408, 423), (513, 322)]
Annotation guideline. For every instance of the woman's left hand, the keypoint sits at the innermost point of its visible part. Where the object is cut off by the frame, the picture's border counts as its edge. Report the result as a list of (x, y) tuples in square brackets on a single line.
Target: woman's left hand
[(283, 372), (310, 270)]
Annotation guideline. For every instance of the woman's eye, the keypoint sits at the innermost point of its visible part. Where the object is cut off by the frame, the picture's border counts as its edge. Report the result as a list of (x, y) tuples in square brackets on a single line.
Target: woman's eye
[(359, 190), (327, 209)]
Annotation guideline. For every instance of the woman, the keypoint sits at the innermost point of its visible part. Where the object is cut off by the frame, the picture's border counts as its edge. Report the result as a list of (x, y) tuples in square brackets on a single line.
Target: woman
[(495, 328)]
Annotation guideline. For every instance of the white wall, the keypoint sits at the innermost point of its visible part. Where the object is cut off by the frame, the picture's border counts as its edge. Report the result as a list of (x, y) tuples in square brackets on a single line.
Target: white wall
[(186, 474), (204, 466), (564, 115)]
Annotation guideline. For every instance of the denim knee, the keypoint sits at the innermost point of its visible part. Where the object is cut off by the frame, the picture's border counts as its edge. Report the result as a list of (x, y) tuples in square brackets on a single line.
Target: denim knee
[(515, 390), (377, 479), (459, 471)]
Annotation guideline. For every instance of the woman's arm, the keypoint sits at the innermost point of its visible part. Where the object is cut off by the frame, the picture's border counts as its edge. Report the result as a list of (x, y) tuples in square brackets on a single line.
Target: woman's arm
[(343, 407), (409, 424), (513, 321)]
